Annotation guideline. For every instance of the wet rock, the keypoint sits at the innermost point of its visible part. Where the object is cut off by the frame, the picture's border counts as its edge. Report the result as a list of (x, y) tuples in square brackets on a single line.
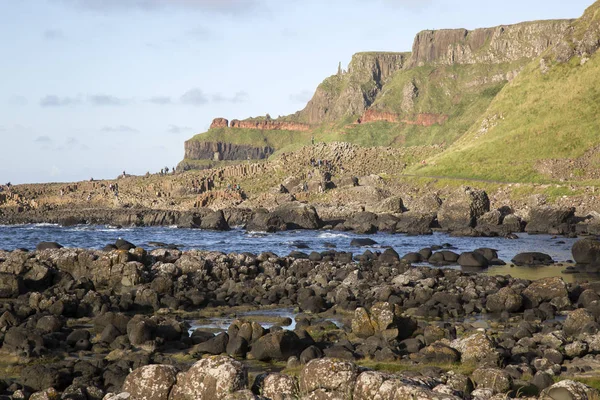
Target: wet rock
[(151, 382), (237, 346), (140, 330), (506, 299), (297, 215), (210, 378), (532, 259), (586, 251), (215, 346), (472, 260), (364, 242), (413, 223), (18, 340), (277, 346), (122, 244), (214, 221), (363, 222), (48, 246), (444, 257), (263, 221), (328, 378)]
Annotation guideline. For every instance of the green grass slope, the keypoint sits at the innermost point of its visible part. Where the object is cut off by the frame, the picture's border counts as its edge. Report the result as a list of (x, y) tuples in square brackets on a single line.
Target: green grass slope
[(538, 116)]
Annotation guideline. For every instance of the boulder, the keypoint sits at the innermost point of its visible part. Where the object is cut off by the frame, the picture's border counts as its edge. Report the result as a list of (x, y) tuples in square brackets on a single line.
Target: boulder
[(378, 385), (472, 260), (363, 222), (264, 221), (477, 349), (413, 223), (462, 209), (48, 246), (214, 221), (215, 346), (506, 299), (438, 353), (586, 251), (276, 386), (569, 390), (362, 242), (553, 290), (576, 321), (298, 215), (498, 380), (277, 346), (328, 378), (361, 324), (552, 220), (10, 285), (210, 378), (532, 259), (151, 382), (393, 205)]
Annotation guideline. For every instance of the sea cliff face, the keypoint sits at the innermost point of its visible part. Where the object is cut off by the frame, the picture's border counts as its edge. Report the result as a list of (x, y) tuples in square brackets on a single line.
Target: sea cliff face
[(219, 151), (506, 43)]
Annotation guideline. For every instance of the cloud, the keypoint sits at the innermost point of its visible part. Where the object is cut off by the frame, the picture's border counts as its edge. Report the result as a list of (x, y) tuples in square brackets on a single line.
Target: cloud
[(239, 97), (301, 97), (176, 130), (74, 144), (106, 100), (160, 100), (231, 7), (43, 140), (200, 33), (17, 100), (119, 129), (194, 97), (53, 34), (52, 100)]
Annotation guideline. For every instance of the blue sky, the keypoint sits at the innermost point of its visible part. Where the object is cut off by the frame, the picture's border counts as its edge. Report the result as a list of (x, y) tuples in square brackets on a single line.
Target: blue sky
[(90, 88)]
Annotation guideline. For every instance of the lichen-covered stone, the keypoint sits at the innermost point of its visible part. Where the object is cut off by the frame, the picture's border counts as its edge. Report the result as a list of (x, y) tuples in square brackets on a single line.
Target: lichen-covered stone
[(151, 382), (211, 378)]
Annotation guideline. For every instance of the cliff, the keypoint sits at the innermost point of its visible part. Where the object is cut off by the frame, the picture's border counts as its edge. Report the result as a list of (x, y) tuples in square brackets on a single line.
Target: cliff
[(544, 125), (220, 151), (444, 94), (352, 92), (502, 44)]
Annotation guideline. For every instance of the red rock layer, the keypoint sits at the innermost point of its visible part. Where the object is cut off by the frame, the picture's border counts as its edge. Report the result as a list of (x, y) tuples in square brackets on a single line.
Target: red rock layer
[(219, 123), (270, 125), (425, 119)]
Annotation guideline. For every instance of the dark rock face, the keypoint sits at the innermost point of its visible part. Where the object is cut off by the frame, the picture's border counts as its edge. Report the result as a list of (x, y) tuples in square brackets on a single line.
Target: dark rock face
[(196, 150), (552, 220), (487, 45), (297, 215), (462, 209), (586, 251)]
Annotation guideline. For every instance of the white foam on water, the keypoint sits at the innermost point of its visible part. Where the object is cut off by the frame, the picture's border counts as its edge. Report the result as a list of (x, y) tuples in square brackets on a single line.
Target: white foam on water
[(330, 235)]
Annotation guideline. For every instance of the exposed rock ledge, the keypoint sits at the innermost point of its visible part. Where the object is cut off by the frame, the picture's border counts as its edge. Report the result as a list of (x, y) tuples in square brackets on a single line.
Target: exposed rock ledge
[(268, 125), (423, 119)]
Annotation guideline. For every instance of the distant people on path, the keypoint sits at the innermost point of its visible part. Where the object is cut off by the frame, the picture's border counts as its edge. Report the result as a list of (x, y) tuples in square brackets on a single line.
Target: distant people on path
[(354, 181)]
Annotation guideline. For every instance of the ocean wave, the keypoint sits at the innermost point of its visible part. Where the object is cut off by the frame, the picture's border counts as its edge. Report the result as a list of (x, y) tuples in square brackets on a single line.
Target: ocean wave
[(330, 235)]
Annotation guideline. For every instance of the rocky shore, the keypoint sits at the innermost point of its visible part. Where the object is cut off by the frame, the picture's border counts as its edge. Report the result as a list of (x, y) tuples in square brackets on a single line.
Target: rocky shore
[(115, 324)]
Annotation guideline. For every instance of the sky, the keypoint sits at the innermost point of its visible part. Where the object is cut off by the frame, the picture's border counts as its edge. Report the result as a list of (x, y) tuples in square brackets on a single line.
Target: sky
[(92, 88)]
